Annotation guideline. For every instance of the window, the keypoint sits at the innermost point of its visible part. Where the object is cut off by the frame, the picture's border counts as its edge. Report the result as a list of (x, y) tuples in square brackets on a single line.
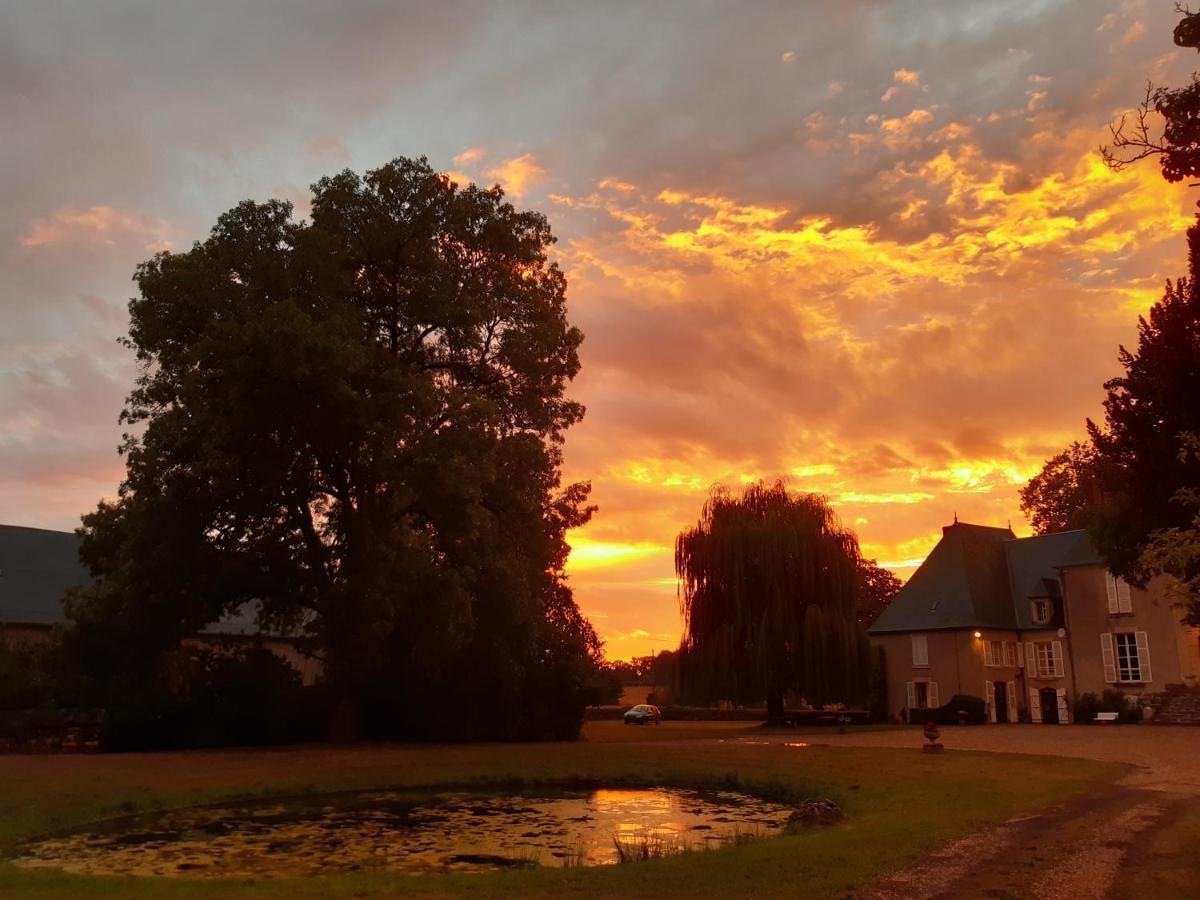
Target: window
[(1048, 659), (1119, 598), (1041, 611), (1010, 654), (920, 650), (1129, 667), (994, 653)]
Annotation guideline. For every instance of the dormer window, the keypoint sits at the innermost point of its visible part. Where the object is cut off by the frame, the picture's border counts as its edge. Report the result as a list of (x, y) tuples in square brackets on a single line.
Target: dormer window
[(1041, 611)]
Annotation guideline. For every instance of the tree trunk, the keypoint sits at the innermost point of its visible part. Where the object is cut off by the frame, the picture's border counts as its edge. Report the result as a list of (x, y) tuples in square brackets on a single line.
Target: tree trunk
[(775, 711)]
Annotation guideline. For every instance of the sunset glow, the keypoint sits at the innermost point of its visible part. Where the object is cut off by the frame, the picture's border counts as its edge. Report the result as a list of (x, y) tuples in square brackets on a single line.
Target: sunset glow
[(896, 275)]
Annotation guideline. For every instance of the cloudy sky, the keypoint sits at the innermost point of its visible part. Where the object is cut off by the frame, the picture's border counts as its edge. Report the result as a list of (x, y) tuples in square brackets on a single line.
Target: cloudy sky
[(866, 247)]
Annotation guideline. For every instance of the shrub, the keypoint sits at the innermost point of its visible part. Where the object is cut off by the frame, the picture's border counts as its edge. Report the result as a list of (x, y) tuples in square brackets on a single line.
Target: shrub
[(201, 697), (1087, 705)]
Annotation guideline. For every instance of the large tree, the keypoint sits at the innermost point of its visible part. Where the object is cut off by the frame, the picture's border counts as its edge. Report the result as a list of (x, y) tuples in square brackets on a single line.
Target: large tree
[(877, 587), (769, 585), (1136, 484), (356, 423), (1058, 497)]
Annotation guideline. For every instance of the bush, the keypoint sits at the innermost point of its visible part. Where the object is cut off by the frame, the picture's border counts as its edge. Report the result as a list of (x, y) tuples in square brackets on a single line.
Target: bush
[(974, 707), (26, 681), (202, 697), (1111, 700)]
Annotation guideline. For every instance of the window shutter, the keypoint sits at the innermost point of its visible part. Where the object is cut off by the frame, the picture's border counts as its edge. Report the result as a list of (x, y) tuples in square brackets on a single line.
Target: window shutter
[(933, 695), (1124, 600), (1058, 659), (1108, 657), (1110, 584), (912, 698), (1030, 660), (1064, 714), (920, 650), (1010, 688), (1020, 655), (1143, 648), (1035, 706), (989, 700)]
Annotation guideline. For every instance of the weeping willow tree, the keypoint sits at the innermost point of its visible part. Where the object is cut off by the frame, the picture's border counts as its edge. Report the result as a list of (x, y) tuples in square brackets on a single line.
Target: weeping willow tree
[(768, 587)]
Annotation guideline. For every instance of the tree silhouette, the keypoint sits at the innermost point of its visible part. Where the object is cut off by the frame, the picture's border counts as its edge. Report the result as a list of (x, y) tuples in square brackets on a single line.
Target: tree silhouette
[(769, 584), (356, 423)]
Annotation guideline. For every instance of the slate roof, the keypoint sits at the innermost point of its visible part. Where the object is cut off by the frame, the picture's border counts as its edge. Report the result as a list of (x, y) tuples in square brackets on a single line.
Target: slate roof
[(36, 569), (1033, 565), (983, 577), (963, 583), (38, 566)]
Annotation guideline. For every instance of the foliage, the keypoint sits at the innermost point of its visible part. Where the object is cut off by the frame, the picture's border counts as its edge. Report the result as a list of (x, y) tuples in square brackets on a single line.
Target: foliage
[(355, 422), (1178, 145), (1148, 412), (26, 676), (213, 697), (877, 587), (947, 713), (1111, 700), (769, 594), (1057, 498), (1175, 551)]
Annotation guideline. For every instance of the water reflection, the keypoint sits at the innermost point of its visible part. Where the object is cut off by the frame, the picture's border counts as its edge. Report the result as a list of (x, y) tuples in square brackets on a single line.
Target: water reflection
[(412, 832)]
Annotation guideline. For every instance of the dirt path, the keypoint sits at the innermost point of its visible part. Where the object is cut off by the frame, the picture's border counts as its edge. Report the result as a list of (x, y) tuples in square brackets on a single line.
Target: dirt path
[(1090, 848)]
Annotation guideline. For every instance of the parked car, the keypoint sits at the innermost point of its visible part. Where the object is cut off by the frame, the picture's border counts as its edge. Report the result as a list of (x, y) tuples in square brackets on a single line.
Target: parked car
[(643, 714)]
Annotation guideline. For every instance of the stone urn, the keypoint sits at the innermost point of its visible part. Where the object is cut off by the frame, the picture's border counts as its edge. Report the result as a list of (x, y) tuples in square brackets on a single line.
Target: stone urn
[(931, 736)]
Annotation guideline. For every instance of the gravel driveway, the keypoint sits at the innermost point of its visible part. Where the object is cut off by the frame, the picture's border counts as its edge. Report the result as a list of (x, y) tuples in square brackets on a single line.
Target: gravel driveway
[(1167, 756)]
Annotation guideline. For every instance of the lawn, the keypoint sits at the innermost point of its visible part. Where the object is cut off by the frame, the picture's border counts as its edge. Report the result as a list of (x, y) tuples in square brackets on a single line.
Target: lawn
[(899, 804)]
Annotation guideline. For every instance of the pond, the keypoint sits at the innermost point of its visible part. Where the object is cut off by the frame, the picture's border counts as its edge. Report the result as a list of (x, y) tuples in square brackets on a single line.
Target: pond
[(411, 832)]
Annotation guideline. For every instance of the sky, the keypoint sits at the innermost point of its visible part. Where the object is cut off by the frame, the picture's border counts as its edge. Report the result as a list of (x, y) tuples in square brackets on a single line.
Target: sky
[(868, 248)]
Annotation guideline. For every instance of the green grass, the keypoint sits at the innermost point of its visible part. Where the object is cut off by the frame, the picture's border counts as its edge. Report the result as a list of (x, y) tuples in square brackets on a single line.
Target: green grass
[(900, 804)]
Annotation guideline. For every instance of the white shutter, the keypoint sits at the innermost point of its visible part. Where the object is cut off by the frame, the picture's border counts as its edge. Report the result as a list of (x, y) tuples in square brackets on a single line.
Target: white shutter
[(933, 695), (1124, 600), (1143, 648), (1020, 655), (1035, 706), (1064, 714), (1110, 585), (920, 650), (1108, 657), (989, 699), (1058, 659), (912, 698), (1030, 660), (1010, 688)]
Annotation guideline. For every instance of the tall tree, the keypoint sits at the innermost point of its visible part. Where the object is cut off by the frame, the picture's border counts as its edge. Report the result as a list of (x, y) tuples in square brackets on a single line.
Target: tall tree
[(877, 587), (1058, 497), (769, 585), (356, 422), (1147, 411)]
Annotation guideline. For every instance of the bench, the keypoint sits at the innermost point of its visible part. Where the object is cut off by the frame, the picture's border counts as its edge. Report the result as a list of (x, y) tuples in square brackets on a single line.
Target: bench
[(1106, 717)]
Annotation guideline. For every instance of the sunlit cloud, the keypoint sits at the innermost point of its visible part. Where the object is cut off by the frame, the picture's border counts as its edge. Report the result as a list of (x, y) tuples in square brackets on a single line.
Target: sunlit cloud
[(98, 226), (518, 174)]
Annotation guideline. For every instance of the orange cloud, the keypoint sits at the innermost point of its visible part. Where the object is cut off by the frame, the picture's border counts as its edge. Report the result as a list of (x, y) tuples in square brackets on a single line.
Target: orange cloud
[(98, 226), (912, 365), (519, 174), (470, 155)]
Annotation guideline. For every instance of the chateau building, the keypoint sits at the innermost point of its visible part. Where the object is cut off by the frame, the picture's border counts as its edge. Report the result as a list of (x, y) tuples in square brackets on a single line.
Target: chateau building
[(1029, 624)]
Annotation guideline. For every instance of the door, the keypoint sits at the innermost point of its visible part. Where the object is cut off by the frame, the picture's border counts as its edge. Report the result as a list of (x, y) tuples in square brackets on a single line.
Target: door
[(1049, 704), (1000, 700)]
